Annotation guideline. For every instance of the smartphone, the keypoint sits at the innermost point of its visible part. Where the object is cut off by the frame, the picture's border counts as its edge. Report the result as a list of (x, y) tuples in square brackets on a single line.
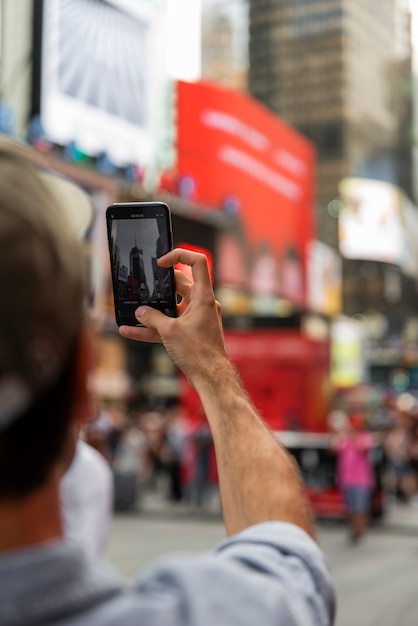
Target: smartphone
[(138, 234)]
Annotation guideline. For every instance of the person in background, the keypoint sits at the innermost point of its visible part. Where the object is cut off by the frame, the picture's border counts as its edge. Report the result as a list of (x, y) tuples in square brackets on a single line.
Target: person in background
[(269, 570), (172, 451), (128, 465), (413, 459), (400, 477), (355, 473), (153, 427), (101, 433), (202, 441)]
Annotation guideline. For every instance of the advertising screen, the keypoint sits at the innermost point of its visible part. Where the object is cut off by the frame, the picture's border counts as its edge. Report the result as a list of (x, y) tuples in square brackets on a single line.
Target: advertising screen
[(370, 226), (347, 353), (324, 278), (98, 76), (409, 214), (235, 155)]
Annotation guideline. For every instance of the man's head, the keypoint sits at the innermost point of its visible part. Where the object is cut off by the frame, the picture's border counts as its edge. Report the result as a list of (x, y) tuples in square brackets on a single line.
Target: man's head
[(42, 287)]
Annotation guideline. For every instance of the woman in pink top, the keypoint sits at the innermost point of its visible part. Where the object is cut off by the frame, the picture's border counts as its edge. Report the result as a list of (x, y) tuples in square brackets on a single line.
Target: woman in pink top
[(355, 473)]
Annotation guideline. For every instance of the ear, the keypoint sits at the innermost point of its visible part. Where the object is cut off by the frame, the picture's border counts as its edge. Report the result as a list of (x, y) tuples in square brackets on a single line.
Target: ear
[(83, 407), (86, 357)]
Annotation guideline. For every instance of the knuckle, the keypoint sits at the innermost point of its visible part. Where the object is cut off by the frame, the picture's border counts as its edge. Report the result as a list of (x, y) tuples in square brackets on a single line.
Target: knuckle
[(200, 258), (208, 299)]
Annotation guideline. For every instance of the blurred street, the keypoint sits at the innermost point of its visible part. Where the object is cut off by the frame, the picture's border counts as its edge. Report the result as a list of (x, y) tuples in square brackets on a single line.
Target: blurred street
[(376, 581)]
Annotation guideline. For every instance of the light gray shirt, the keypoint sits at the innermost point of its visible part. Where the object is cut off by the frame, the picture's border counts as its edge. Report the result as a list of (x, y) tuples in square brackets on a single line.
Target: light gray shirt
[(270, 574)]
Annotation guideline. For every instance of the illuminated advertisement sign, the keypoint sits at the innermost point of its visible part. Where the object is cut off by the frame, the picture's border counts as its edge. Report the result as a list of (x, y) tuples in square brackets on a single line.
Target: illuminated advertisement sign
[(347, 353), (370, 225), (378, 222), (409, 215), (324, 278), (98, 77), (234, 154)]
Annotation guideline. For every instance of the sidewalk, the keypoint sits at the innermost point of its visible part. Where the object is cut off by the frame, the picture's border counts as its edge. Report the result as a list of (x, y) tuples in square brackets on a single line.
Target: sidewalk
[(155, 503), (398, 518)]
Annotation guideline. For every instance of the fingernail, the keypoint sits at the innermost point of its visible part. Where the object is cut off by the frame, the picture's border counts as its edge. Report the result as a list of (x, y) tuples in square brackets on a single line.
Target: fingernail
[(140, 312)]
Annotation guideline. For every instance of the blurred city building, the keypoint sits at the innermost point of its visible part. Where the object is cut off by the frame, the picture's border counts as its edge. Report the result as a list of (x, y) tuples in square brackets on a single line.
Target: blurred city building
[(225, 42), (109, 112), (340, 72), (16, 65), (290, 90)]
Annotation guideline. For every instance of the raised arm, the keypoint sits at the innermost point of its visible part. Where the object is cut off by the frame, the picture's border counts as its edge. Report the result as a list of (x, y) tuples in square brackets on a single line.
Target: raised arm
[(259, 481)]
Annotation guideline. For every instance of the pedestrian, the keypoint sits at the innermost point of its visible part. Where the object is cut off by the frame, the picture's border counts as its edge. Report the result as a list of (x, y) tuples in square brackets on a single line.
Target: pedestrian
[(100, 433), (172, 451), (128, 466), (202, 441), (268, 571), (400, 477), (413, 459), (355, 473), (153, 426)]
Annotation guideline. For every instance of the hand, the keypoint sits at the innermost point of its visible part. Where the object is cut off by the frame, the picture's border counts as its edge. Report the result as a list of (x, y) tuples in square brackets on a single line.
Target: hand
[(247, 454), (194, 340)]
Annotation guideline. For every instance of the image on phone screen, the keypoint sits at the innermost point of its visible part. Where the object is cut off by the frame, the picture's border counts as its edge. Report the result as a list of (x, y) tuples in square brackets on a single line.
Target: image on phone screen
[(136, 243)]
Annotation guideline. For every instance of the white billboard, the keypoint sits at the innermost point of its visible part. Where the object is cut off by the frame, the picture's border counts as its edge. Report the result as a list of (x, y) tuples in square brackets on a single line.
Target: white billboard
[(409, 214), (101, 70), (324, 278), (370, 225)]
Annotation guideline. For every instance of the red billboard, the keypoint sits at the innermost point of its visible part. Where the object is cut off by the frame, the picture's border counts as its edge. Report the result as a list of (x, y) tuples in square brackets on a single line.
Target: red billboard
[(286, 375), (235, 154)]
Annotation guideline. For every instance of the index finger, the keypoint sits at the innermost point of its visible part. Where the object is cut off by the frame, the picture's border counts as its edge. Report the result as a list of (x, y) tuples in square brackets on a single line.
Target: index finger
[(196, 260)]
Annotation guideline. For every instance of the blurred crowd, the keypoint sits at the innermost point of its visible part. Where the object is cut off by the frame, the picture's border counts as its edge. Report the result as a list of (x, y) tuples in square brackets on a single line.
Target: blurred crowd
[(377, 459), (166, 451), (155, 450), (400, 444), (394, 425)]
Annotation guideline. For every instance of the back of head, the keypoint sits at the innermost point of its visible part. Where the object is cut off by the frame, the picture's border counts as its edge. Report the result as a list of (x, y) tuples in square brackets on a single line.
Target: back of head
[(42, 291)]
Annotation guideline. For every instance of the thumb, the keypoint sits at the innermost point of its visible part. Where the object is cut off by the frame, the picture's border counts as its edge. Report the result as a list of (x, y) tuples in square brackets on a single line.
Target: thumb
[(149, 317)]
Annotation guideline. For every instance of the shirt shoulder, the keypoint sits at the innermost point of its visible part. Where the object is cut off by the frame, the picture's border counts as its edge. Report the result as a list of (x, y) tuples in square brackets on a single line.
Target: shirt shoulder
[(269, 570)]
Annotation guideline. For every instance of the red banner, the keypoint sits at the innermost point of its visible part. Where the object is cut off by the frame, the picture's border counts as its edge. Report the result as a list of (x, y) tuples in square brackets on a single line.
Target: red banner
[(286, 375), (234, 154)]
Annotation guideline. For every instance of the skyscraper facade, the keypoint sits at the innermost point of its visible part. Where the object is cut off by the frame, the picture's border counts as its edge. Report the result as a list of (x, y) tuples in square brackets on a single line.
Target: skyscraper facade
[(225, 42), (339, 71), (137, 271)]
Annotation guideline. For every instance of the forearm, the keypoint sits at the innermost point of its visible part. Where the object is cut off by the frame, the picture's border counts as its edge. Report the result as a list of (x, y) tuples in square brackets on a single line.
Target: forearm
[(259, 480)]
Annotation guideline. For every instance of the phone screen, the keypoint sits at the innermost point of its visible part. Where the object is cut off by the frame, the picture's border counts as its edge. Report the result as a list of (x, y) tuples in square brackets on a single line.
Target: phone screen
[(139, 234)]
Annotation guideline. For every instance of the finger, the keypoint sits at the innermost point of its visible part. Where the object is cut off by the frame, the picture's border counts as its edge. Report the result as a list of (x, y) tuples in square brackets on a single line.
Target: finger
[(196, 260), (183, 284), (138, 333), (153, 319), (153, 323)]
